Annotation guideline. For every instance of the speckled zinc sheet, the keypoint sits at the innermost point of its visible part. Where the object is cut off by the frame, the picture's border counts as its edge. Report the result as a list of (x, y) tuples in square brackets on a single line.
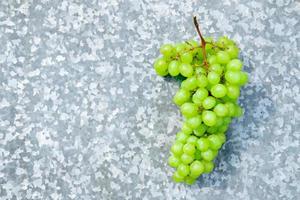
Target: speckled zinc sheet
[(84, 116)]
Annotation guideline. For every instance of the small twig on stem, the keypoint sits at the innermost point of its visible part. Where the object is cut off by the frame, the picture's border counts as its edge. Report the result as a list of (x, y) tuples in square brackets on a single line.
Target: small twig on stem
[(203, 43)]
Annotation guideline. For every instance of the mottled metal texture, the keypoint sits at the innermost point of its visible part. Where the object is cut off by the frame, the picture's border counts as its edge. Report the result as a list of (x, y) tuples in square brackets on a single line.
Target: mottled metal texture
[(84, 116)]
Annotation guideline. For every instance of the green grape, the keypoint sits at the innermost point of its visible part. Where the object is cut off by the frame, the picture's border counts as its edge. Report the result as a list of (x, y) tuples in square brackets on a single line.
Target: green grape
[(208, 155), (219, 90), (233, 91), (212, 130), (186, 70), (189, 180), (223, 57), (238, 111), (173, 68), (223, 128), (203, 144), (186, 57), (180, 47), (209, 118), (183, 170), (186, 158), (189, 149), (244, 78), (233, 77), (173, 161), (231, 108), (223, 41), (196, 168), (198, 154), (192, 140), (219, 122), (202, 81), (177, 177), (227, 120), (194, 122), (213, 78), (232, 51), (234, 65), (200, 70), (186, 129), (208, 166), (209, 102), (222, 137), (193, 43), (189, 109), (221, 110), (215, 142), (199, 96), (181, 97), (177, 148), (212, 59), (190, 83), (161, 67), (181, 137), (167, 50), (216, 68), (200, 130)]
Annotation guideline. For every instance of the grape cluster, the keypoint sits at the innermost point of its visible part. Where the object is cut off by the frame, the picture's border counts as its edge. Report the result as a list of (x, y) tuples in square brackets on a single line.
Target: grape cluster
[(207, 99)]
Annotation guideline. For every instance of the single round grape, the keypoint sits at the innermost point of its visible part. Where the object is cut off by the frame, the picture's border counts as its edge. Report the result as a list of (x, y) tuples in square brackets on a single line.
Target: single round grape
[(181, 137), (200, 70), (212, 130), (180, 47), (244, 78), (177, 148), (199, 96), (192, 140), (186, 129), (223, 57), (221, 110), (194, 122), (167, 50), (186, 70), (216, 68), (231, 108), (181, 97), (161, 67), (215, 142), (227, 120), (208, 155), (238, 111), (177, 177), (183, 170), (223, 41), (198, 154), (189, 149), (219, 121), (222, 137), (173, 68), (209, 118), (189, 180), (189, 109), (186, 57), (196, 168), (208, 166), (212, 59), (233, 91), (190, 83), (202, 81), (173, 161), (233, 77), (203, 144), (213, 78), (234, 65), (219, 90), (232, 51), (200, 130), (209, 102), (223, 128), (186, 158)]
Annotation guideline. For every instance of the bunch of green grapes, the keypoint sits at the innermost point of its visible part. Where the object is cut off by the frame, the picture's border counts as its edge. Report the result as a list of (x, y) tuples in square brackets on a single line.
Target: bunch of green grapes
[(207, 99)]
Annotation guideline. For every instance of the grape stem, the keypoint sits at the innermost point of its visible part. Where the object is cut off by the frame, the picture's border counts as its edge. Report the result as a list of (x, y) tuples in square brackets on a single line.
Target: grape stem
[(203, 43)]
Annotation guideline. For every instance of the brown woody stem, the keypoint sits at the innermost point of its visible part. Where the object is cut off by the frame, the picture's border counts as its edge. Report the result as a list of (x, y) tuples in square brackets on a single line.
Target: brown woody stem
[(203, 43)]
